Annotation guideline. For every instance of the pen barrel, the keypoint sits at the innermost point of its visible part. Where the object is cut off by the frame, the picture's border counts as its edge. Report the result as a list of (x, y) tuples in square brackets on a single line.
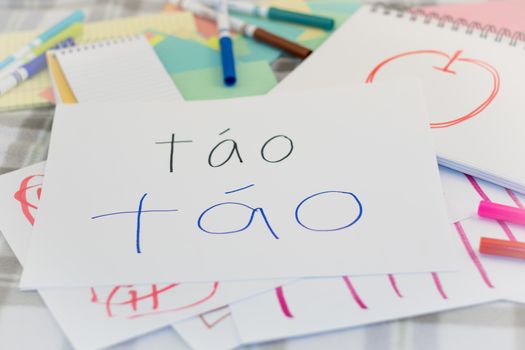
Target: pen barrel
[(16, 56), (15, 64), (35, 65), (502, 247), (241, 7), (7, 84), (29, 69), (301, 18), (501, 212), (199, 9), (228, 63), (282, 43)]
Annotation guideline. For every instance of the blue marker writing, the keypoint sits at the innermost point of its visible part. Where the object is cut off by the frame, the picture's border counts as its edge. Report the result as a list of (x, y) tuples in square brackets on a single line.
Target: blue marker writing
[(138, 213), (253, 211), (350, 195)]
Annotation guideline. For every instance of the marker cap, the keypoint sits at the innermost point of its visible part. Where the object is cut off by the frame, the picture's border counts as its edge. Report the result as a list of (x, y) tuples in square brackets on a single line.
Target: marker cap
[(228, 63), (502, 247)]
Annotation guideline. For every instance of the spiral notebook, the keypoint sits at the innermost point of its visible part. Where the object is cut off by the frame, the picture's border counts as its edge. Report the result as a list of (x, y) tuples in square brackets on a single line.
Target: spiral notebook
[(120, 70), (472, 75)]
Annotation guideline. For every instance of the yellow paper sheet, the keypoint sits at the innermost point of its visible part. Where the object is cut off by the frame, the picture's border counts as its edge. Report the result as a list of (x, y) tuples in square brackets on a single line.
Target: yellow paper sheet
[(27, 95)]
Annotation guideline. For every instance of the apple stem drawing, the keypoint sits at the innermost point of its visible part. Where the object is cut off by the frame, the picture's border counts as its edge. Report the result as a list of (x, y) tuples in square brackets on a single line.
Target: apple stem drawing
[(450, 62)]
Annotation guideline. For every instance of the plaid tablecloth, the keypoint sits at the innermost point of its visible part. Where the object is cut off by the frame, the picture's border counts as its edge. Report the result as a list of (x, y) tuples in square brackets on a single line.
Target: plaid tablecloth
[(25, 322)]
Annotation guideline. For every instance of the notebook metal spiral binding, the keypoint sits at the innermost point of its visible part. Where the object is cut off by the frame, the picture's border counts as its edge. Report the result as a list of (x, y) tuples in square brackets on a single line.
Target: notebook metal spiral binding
[(488, 31), (99, 44)]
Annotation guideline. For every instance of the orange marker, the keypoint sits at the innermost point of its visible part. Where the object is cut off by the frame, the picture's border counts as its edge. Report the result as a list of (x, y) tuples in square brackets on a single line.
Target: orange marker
[(502, 247)]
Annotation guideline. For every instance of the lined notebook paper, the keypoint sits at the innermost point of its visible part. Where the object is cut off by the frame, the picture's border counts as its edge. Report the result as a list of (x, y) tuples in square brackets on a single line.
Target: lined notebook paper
[(119, 70)]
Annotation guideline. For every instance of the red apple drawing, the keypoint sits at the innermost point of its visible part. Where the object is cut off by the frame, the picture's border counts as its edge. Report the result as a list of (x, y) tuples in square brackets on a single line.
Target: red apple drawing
[(28, 195), (131, 302), (457, 70)]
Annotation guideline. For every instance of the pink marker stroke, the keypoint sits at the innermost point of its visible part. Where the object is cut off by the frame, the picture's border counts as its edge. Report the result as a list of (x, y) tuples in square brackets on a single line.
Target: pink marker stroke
[(439, 286), (393, 283), (282, 302), (472, 254), (354, 293)]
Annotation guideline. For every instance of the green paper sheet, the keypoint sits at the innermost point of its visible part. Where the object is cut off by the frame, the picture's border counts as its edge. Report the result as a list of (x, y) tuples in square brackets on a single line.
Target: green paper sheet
[(340, 7), (180, 55), (313, 44), (255, 78)]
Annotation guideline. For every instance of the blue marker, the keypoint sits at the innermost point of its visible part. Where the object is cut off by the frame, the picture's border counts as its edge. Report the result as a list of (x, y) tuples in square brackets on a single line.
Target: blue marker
[(228, 61), (77, 16), (29, 69)]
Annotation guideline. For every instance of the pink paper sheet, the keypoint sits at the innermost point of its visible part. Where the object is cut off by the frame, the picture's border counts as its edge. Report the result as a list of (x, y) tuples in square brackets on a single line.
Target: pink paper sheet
[(508, 14)]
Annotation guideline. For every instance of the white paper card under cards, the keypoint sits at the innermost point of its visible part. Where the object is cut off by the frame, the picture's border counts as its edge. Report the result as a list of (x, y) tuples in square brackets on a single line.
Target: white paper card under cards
[(320, 305), (214, 330), (328, 185)]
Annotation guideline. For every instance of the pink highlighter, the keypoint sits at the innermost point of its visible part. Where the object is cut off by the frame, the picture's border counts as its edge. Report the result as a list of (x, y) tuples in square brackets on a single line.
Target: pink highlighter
[(502, 247), (501, 212)]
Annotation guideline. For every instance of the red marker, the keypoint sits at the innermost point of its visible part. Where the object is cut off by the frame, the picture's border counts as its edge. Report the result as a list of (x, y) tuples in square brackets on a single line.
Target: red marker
[(502, 247)]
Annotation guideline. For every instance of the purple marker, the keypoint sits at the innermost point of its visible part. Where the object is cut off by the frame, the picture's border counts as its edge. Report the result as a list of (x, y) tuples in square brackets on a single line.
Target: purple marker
[(29, 69)]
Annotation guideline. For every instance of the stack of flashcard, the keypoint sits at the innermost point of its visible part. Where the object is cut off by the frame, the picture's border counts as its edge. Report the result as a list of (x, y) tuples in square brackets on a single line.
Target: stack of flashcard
[(317, 207), (168, 184)]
